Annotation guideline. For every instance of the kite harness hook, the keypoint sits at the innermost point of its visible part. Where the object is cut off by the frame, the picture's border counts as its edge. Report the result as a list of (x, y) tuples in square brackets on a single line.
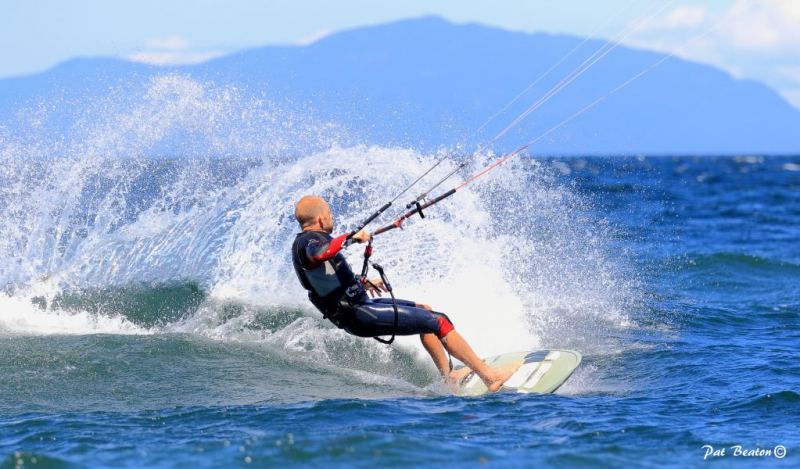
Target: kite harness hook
[(365, 281)]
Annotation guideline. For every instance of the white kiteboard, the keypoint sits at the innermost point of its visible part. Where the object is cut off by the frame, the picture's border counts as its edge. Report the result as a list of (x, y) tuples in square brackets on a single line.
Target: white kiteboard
[(540, 371)]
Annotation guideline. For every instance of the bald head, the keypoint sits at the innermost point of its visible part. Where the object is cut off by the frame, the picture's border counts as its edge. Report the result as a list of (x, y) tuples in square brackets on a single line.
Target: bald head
[(312, 212)]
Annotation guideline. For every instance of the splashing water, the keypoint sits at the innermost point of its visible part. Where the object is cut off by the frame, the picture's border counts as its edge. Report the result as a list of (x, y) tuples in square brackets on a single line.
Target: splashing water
[(147, 289), (187, 182)]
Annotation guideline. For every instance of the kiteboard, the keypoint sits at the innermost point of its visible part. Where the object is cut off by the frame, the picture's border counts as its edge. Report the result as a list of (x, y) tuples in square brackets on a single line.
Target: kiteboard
[(540, 371)]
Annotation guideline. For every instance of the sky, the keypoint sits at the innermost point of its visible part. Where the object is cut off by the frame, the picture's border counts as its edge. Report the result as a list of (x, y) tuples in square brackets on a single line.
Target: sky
[(751, 39)]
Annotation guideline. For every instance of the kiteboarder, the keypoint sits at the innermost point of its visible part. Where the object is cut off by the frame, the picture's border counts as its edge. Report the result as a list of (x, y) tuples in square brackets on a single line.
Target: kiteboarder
[(352, 304)]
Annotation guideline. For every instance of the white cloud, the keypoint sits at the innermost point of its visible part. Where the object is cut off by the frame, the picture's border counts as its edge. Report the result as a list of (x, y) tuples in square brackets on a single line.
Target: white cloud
[(791, 72), (752, 39), (170, 50), (764, 24), (313, 37), (173, 57), (688, 16), (684, 16), (173, 42), (793, 96), (749, 26), (791, 91)]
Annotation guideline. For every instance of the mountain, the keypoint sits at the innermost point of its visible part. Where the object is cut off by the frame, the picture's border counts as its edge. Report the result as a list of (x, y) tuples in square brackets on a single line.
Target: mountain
[(427, 83)]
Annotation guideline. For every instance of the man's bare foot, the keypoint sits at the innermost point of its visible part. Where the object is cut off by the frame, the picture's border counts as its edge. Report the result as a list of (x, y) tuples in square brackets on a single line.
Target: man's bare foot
[(456, 376), (500, 375)]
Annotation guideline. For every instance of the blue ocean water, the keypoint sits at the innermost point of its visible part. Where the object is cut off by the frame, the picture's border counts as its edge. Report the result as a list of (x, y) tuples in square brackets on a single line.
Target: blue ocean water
[(150, 316)]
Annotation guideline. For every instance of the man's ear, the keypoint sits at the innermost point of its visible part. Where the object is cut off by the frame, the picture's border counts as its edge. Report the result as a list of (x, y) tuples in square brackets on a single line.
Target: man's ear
[(320, 221)]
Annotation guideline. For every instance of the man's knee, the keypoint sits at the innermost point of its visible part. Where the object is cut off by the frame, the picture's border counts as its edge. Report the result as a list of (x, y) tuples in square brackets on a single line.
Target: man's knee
[(445, 326)]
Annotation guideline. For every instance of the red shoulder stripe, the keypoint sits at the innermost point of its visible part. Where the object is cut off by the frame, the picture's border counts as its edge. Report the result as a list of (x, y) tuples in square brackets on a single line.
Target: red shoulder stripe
[(333, 248)]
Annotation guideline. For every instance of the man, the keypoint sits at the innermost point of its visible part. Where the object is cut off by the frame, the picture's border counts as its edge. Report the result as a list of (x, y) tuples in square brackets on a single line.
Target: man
[(341, 297)]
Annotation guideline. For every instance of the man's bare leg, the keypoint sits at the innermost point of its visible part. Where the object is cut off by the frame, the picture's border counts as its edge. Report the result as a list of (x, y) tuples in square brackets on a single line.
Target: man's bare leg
[(459, 348), (435, 348), (436, 351)]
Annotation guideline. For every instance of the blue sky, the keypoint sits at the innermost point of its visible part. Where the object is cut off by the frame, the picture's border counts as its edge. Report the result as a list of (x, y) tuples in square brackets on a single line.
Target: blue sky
[(756, 39)]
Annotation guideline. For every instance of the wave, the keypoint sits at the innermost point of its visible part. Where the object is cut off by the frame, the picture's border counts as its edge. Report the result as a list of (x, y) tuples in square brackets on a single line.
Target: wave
[(761, 279), (105, 237), (22, 459), (779, 402), (21, 316), (113, 372), (724, 260)]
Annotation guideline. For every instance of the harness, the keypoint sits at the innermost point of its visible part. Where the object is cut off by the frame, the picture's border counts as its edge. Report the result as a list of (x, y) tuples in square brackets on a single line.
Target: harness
[(327, 305), (365, 281), (323, 303)]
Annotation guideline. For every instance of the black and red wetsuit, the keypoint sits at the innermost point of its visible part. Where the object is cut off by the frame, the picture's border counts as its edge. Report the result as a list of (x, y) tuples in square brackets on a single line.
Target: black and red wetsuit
[(338, 293)]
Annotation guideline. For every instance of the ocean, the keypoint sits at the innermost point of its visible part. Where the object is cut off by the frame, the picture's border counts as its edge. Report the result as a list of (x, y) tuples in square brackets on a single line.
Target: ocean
[(149, 315)]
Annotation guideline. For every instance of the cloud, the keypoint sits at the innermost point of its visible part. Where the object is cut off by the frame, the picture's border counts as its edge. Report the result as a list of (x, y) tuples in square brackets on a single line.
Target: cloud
[(688, 16), (173, 42), (793, 96), (173, 57), (749, 26), (791, 90), (313, 37), (764, 24), (684, 16), (791, 72), (753, 39), (170, 50)]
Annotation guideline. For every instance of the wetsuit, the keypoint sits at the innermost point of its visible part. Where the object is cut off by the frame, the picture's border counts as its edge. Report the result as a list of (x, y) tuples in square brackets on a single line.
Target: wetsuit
[(340, 296)]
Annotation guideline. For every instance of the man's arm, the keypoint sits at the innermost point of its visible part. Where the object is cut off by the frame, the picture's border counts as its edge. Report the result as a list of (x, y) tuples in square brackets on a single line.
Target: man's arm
[(318, 252)]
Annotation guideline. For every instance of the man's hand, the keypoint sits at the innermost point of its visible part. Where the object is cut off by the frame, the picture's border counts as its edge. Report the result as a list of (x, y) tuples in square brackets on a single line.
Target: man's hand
[(362, 236), (375, 287)]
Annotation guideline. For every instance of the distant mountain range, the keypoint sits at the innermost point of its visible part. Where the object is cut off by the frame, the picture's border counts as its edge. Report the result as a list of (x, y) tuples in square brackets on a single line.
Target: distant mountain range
[(426, 83)]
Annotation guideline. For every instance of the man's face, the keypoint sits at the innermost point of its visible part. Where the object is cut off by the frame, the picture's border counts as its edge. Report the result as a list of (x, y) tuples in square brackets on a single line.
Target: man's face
[(327, 220)]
